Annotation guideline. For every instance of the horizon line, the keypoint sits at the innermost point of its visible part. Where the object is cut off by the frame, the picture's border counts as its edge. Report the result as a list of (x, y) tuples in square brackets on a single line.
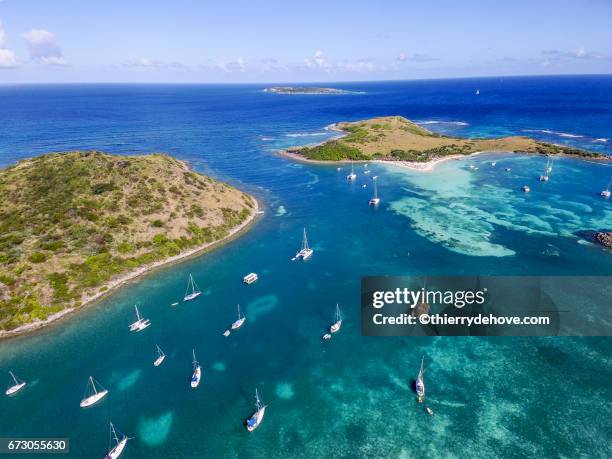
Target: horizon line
[(217, 83)]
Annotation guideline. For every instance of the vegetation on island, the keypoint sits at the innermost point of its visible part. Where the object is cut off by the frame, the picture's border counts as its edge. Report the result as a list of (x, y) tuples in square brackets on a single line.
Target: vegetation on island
[(394, 138), (71, 222)]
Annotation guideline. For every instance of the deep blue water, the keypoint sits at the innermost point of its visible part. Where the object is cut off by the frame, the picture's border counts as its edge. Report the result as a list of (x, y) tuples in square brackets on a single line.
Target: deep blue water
[(350, 396)]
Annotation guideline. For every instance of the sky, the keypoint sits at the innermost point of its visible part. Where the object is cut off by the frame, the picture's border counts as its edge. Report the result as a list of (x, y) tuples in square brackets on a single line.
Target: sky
[(199, 41)]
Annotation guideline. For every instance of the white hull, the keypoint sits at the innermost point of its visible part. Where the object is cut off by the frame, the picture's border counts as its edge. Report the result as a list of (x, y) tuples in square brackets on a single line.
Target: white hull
[(303, 254), (159, 360), (526, 189), (192, 296), (326, 336), (374, 201), (226, 333), (257, 417), (544, 178), (14, 389), (92, 400), (140, 325), (196, 377), (236, 325), (117, 450), (250, 278), (351, 177), (605, 194), (335, 327)]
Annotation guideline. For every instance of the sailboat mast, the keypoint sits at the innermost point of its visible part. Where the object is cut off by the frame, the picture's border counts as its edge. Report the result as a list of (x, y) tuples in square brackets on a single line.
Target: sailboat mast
[(337, 313), (304, 241), (137, 312), (238, 312), (93, 385), (375, 189), (14, 377)]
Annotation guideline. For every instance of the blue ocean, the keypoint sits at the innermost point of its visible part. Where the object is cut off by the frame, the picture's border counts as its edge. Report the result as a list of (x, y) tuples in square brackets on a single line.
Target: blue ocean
[(351, 396)]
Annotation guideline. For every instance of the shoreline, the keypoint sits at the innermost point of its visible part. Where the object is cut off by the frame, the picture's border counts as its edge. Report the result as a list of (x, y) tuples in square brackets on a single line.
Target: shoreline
[(116, 283)]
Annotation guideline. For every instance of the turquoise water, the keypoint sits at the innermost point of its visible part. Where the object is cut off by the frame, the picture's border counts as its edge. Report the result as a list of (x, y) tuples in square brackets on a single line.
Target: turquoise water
[(350, 396)]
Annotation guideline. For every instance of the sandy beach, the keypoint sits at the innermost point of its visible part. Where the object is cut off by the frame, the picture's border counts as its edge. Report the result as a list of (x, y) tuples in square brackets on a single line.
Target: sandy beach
[(126, 278)]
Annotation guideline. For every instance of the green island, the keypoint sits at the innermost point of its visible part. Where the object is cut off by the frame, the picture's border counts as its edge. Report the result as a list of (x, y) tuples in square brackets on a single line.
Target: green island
[(74, 225), (394, 138)]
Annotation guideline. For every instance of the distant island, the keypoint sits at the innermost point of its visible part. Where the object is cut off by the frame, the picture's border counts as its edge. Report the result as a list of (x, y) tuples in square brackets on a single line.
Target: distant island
[(307, 90), (74, 225), (394, 138)]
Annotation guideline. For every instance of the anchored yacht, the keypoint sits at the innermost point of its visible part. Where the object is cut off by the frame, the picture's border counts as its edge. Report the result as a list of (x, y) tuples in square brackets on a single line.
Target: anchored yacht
[(197, 372), (93, 393), (338, 323), (16, 385), (238, 323), (305, 252), (195, 291), (253, 422), (117, 450)]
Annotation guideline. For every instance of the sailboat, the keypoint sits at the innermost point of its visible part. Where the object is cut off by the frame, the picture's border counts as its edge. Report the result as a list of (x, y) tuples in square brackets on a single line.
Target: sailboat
[(375, 199), (140, 323), (93, 394), (305, 252), (544, 177), (420, 385), (352, 176), (526, 188), (478, 92), (606, 193), (15, 386), (239, 321), (115, 451), (197, 372), (253, 422), (160, 356), (338, 323), (195, 291)]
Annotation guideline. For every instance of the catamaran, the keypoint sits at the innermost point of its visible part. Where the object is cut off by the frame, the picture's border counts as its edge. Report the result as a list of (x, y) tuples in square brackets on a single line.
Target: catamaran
[(336, 325), (606, 193), (241, 318), (420, 385), (352, 176), (253, 422), (197, 372), (160, 356), (375, 199), (140, 323), (305, 252), (195, 291), (16, 385), (115, 451), (93, 393)]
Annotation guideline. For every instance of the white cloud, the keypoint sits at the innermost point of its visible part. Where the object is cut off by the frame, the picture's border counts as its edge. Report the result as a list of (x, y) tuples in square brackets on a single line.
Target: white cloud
[(44, 47), (239, 65), (416, 57), (145, 62), (7, 57)]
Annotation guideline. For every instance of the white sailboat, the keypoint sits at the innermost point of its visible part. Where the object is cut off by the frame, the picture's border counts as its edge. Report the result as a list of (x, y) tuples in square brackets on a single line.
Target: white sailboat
[(606, 193), (526, 188), (375, 199), (478, 92), (93, 393), (140, 323), (15, 386), (117, 450), (544, 177), (238, 323), (338, 323), (420, 384), (253, 422), (195, 291), (197, 372), (305, 252), (160, 356), (352, 176)]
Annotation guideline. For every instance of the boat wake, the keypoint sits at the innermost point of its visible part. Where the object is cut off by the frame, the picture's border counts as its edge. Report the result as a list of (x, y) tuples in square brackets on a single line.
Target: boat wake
[(556, 133)]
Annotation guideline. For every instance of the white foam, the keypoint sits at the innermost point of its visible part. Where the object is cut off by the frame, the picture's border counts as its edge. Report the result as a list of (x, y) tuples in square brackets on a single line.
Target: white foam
[(306, 134), (455, 123), (602, 139)]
